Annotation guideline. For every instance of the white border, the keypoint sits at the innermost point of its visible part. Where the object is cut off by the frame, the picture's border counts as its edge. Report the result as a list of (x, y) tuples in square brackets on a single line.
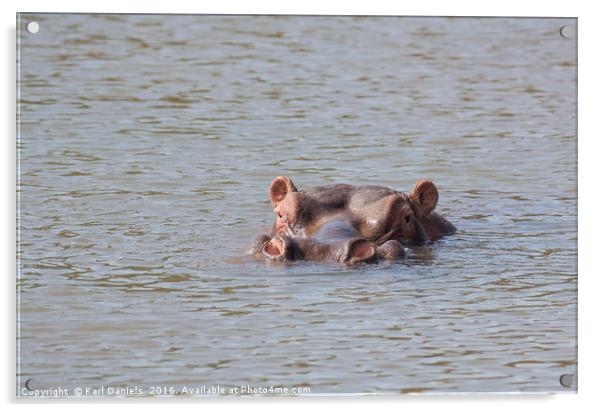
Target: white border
[(589, 219)]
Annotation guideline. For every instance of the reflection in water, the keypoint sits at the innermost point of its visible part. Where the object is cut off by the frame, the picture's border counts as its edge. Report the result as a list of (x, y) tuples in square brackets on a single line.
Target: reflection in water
[(147, 144)]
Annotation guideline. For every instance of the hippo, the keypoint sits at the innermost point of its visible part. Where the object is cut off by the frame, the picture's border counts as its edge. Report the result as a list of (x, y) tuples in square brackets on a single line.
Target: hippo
[(349, 224)]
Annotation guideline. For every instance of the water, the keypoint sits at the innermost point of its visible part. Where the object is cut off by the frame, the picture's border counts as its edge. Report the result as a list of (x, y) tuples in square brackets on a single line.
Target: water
[(147, 144)]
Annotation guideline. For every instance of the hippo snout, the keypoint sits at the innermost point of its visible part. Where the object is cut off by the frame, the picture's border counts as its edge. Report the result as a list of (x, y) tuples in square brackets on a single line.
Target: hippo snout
[(348, 252)]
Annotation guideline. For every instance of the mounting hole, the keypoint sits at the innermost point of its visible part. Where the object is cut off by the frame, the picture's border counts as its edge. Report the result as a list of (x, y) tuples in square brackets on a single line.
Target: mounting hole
[(566, 380), (566, 32), (32, 27)]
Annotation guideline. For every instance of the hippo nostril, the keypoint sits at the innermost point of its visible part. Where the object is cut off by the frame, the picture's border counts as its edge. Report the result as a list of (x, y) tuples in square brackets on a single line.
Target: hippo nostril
[(274, 248), (258, 245), (361, 251)]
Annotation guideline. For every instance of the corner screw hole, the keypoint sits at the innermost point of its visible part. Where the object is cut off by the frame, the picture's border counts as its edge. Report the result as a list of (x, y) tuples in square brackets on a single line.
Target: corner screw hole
[(32, 27), (566, 32), (566, 380)]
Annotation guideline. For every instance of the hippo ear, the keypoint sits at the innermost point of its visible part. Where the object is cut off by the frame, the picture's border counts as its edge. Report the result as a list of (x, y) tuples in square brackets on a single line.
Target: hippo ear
[(424, 198), (279, 188)]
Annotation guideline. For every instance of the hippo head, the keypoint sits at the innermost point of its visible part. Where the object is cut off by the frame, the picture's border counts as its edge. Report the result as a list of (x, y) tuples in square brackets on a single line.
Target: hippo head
[(376, 213), (349, 224)]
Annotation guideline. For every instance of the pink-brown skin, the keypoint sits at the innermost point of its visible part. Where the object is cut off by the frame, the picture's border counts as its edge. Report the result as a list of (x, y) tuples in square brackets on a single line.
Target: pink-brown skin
[(349, 224)]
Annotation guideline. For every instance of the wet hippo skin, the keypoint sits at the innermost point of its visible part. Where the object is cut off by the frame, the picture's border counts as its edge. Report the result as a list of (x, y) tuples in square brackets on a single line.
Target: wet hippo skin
[(349, 224)]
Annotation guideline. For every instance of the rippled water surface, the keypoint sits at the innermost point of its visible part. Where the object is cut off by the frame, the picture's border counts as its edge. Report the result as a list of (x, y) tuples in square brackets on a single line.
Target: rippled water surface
[(146, 147)]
